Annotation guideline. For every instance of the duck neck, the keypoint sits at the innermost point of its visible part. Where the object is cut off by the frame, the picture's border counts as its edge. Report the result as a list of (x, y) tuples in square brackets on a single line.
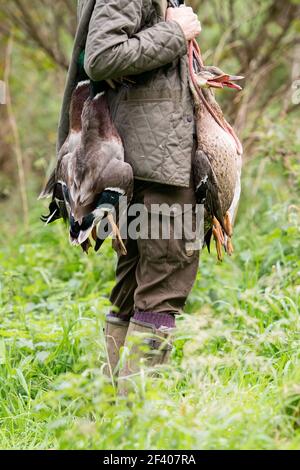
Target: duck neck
[(96, 119), (214, 106), (79, 97)]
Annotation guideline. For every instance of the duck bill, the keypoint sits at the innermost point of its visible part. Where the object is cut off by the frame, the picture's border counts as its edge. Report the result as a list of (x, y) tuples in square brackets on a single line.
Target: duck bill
[(227, 81), (214, 84), (233, 86)]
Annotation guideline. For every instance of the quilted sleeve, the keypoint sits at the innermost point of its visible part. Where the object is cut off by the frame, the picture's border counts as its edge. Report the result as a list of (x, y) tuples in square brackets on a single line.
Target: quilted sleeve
[(116, 47)]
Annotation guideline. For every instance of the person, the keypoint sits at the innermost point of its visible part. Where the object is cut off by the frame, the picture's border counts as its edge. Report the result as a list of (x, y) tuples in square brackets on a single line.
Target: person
[(145, 42)]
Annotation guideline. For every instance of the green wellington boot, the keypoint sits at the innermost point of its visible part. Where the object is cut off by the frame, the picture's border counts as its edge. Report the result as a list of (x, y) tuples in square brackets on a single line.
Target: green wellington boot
[(115, 334), (146, 345)]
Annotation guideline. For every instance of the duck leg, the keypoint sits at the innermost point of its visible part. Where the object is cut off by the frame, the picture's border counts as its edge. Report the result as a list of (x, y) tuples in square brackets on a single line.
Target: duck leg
[(219, 238), (229, 247), (228, 224), (117, 235), (229, 231)]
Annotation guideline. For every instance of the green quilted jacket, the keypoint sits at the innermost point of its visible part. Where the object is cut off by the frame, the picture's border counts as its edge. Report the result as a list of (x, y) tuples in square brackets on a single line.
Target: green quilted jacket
[(154, 112)]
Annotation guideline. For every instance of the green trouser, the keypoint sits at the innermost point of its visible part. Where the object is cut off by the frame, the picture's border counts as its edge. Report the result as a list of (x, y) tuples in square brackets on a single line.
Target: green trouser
[(157, 275)]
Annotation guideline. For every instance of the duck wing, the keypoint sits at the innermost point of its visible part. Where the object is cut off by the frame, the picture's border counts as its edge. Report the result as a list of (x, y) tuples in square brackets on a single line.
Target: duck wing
[(60, 177), (206, 186)]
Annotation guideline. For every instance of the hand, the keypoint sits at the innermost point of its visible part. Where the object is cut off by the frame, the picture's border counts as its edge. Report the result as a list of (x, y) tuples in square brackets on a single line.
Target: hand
[(187, 19)]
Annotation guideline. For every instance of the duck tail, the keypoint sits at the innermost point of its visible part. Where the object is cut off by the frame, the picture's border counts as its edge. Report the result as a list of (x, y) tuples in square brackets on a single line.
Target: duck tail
[(98, 244), (54, 214), (101, 234), (207, 239), (49, 188), (86, 246)]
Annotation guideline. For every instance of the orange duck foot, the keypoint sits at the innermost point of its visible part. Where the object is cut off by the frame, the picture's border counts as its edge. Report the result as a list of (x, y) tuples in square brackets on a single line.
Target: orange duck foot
[(219, 238), (229, 232), (116, 233), (229, 247), (228, 225)]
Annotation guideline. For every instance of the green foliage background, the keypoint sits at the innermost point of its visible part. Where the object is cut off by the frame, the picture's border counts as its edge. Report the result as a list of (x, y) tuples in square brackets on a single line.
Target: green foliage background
[(234, 380)]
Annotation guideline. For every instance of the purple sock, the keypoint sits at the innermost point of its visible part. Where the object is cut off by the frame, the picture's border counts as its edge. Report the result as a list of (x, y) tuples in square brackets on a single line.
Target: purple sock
[(159, 320)]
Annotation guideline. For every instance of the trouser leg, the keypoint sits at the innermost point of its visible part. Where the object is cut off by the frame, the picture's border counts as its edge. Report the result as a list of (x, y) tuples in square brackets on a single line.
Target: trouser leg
[(167, 268), (122, 295), (157, 274), (165, 272)]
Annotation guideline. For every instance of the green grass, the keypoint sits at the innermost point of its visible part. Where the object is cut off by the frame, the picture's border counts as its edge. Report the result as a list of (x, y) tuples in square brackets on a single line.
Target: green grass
[(234, 378)]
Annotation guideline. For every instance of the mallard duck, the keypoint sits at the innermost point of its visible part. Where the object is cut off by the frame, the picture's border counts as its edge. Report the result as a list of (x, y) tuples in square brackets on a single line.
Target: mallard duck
[(91, 175), (54, 188), (218, 160)]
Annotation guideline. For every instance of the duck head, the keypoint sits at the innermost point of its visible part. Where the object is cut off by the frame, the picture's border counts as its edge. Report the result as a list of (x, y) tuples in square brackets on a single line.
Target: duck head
[(213, 77), (82, 228)]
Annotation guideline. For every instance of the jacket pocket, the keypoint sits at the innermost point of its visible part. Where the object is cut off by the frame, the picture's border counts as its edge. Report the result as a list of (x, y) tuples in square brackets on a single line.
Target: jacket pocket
[(170, 227)]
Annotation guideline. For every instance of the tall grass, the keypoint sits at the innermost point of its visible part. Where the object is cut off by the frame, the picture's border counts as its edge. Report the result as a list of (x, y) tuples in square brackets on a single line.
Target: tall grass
[(234, 378)]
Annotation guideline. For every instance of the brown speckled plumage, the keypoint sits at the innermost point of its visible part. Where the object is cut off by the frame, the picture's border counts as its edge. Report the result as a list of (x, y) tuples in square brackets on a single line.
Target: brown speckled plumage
[(91, 175), (218, 160), (220, 149), (98, 162)]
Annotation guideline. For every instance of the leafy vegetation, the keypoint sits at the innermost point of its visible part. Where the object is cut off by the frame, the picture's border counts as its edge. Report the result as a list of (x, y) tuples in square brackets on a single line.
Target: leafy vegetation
[(234, 378)]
